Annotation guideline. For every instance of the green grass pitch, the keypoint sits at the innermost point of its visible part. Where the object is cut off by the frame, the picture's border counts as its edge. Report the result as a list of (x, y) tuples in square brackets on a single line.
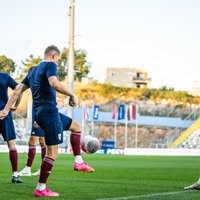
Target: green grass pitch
[(116, 177)]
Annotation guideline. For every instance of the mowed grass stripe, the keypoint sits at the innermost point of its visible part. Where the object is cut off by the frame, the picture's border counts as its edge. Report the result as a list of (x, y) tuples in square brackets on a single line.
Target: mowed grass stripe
[(115, 176), (146, 196)]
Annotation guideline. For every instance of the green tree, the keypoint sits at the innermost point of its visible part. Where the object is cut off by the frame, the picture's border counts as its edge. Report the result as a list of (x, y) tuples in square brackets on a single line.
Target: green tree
[(30, 62), (7, 65), (81, 68), (81, 65), (62, 64), (164, 88)]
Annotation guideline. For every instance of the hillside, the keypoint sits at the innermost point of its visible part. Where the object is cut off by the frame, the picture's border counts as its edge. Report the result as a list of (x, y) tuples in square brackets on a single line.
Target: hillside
[(106, 94), (151, 102)]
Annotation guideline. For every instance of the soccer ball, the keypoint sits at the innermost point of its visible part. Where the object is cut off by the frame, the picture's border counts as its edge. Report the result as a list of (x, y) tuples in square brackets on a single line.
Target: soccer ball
[(89, 144)]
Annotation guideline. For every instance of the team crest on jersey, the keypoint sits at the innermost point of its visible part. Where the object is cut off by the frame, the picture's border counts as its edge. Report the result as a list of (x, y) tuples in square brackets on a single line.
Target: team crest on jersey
[(33, 133)]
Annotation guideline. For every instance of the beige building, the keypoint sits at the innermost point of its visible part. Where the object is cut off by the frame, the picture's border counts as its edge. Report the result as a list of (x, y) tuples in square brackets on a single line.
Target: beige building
[(195, 92), (127, 77), (196, 89)]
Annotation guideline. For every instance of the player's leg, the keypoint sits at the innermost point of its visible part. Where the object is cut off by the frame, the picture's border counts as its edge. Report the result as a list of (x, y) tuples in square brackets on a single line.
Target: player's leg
[(40, 133), (75, 139), (31, 155), (43, 153), (46, 168), (8, 133), (13, 155), (52, 126), (35, 133), (43, 147)]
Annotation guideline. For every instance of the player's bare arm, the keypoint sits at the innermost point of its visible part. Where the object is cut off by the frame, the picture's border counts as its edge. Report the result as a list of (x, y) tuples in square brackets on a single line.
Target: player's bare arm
[(12, 99), (16, 104), (59, 87)]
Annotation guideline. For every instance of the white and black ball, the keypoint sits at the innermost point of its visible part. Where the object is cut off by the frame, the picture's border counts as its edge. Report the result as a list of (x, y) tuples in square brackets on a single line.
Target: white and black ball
[(89, 144)]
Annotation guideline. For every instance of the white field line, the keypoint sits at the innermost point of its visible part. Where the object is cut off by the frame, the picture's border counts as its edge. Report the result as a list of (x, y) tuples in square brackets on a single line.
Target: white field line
[(145, 196)]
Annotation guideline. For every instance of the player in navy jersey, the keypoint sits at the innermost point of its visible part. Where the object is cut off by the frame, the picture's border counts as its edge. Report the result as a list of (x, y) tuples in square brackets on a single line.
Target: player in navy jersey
[(6, 125), (43, 82)]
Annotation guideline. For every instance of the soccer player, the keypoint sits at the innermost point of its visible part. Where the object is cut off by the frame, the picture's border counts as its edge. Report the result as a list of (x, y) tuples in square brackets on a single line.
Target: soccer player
[(44, 83), (36, 134), (6, 125)]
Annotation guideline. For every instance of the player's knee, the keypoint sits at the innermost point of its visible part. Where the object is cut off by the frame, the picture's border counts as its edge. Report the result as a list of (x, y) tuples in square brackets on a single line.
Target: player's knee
[(78, 128), (42, 142), (75, 126), (52, 152), (11, 144), (33, 140)]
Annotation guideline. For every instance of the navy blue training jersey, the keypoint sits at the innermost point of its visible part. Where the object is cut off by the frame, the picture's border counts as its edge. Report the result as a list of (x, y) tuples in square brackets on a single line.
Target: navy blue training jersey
[(5, 82), (37, 80)]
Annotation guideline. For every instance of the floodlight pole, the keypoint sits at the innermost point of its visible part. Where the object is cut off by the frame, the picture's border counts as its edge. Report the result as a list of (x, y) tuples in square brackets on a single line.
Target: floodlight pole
[(71, 55)]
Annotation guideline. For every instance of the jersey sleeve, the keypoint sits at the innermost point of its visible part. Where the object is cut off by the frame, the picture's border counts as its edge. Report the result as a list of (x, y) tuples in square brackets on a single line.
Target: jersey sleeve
[(51, 70), (11, 82), (25, 81)]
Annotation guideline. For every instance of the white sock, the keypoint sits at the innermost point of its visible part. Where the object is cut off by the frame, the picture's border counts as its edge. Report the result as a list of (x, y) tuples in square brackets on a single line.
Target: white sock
[(78, 159), (15, 174), (28, 169), (198, 181), (41, 186)]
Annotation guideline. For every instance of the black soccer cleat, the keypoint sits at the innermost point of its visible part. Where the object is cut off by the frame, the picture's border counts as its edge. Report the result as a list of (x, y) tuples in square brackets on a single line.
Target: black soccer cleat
[(16, 180)]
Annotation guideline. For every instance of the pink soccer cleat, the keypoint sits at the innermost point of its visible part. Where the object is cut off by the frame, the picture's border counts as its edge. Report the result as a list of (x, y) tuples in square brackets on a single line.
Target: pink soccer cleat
[(83, 167), (45, 193)]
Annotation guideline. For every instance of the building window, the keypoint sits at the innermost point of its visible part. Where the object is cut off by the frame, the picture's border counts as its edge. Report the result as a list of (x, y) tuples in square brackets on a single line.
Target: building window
[(129, 75), (114, 74), (138, 86)]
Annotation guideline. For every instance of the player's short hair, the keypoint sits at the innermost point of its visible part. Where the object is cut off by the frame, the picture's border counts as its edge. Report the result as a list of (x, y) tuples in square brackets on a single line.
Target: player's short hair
[(51, 48)]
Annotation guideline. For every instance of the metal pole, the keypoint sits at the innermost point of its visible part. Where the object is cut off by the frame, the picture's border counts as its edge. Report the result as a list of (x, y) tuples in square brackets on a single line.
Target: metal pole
[(136, 128), (83, 127), (71, 54), (115, 131), (92, 120), (126, 126)]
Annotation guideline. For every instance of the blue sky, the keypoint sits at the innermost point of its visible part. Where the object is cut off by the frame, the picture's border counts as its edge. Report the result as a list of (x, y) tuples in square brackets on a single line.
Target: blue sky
[(161, 36)]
